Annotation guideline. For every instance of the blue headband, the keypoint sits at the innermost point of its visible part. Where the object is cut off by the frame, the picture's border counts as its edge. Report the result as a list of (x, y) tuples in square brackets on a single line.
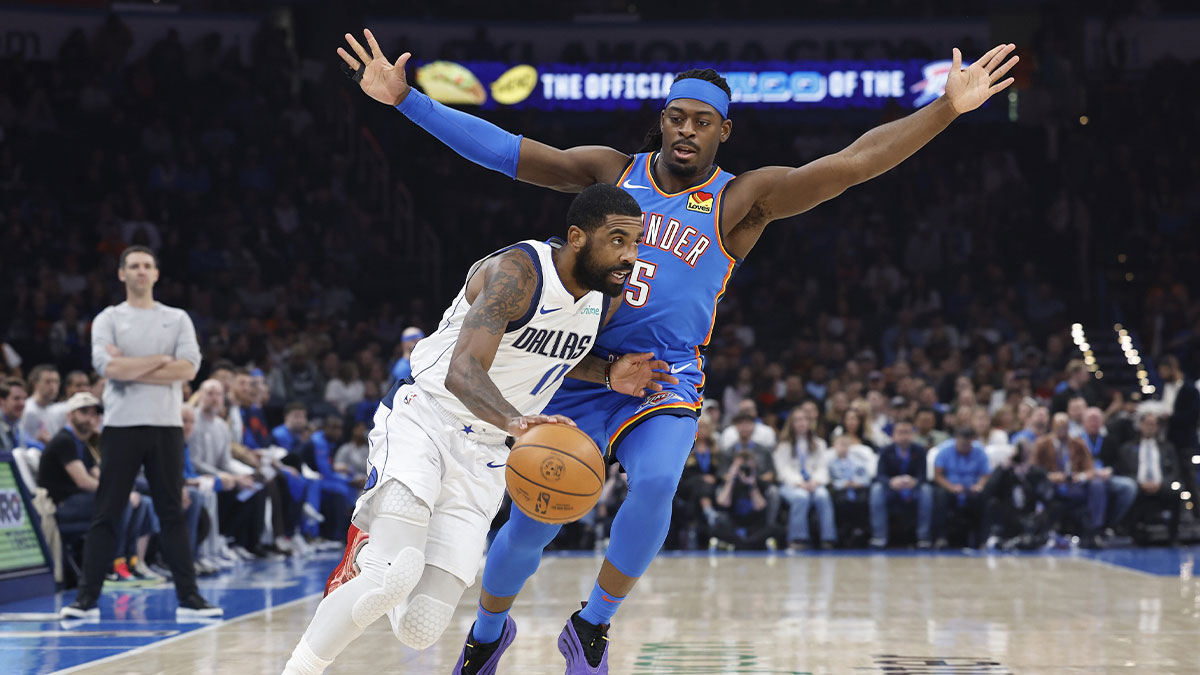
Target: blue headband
[(700, 90)]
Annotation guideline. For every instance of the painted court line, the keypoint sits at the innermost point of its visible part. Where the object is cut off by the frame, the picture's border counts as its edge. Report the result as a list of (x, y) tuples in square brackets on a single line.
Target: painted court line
[(154, 645)]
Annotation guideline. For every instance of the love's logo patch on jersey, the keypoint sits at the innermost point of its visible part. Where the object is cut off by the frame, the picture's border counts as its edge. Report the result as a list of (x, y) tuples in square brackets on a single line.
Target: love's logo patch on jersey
[(700, 201)]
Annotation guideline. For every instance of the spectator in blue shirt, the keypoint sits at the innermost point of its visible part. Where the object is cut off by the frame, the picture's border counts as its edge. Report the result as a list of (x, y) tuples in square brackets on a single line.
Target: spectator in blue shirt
[(408, 341), (293, 432), (338, 490), (961, 470), (900, 487), (1036, 426)]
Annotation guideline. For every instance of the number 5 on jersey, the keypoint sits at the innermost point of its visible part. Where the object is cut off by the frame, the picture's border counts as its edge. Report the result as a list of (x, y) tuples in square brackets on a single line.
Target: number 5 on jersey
[(639, 283)]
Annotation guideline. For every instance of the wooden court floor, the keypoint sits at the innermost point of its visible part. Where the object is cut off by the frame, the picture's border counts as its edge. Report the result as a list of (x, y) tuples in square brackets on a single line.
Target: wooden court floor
[(802, 614)]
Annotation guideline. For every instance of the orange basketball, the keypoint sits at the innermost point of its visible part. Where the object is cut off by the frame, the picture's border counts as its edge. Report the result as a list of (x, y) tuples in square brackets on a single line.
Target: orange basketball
[(555, 473)]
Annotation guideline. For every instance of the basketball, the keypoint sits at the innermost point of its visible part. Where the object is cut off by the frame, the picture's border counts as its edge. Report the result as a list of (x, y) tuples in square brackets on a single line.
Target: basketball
[(555, 473)]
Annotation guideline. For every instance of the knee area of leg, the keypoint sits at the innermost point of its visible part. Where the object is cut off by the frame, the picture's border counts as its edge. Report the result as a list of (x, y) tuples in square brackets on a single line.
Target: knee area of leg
[(424, 621), (393, 580), (397, 501)]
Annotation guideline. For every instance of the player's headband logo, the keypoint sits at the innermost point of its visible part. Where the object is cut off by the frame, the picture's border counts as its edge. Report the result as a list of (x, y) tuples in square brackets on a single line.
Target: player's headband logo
[(700, 90)]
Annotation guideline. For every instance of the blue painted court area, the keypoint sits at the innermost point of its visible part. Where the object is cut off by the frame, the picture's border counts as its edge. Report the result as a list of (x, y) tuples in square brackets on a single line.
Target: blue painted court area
[(34, 640)]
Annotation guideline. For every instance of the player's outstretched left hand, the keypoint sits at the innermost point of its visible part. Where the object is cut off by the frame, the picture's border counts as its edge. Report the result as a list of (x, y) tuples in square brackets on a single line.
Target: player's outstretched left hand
[(519, 425), (639, 374), (967, 88)]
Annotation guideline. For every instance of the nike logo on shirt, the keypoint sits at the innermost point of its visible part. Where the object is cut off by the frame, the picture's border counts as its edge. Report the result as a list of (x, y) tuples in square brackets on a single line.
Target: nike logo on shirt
[(495, 466), (630, 186), (679, 369), (543, 310)]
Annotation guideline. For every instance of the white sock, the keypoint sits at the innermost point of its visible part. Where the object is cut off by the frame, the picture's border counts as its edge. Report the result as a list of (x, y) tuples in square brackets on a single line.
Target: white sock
[(305, 662)]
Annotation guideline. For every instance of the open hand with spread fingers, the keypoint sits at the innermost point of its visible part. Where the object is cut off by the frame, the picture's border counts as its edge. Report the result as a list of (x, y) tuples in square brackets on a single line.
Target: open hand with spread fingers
[(380, 79), (967, 88)]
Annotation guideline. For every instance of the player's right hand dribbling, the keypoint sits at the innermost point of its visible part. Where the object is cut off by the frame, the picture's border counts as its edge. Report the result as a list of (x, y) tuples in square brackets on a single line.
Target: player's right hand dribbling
[(519, 425), (381, 80)]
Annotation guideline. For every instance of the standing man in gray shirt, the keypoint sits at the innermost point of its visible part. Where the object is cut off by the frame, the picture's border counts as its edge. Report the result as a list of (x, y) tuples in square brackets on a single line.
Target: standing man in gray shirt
[(146, 350)]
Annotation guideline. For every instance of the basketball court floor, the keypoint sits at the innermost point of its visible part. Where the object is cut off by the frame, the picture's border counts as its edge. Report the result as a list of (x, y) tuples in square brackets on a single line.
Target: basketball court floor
[(1125, 611)]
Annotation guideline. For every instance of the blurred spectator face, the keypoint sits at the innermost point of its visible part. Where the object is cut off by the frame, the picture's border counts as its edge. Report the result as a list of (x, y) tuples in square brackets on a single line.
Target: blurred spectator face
[(841, 445), (76, 382), (359, 435), (811, 411), (963, 418), (1093, 420), (1148, 425), (793, 388), (838, 404), (981, 422), (1039, 419), (243, 389), (333, 428), (1061, 426), (925, 421), (928, 397), (1003, 420), (258, 385), (296, 421), (1075, 408), (704, 429), (14, 404), (852, 423), (800, 422), (963, 442), (212, 397), (876, 400), (189, 421), (225, 377), (1167, 371), (97, 387), (745, 428), (902, 434), (46, 387), (84, 421)]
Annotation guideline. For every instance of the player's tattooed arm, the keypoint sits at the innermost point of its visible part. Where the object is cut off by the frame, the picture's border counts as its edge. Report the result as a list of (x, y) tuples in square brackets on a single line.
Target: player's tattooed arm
[(499, 292)]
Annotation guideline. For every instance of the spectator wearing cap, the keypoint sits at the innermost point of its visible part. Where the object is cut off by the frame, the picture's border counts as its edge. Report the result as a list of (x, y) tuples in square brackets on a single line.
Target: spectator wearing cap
[(1154, 464), (901, 488), (1075, 385), (1069, 467), (71, 476), (961, 470), (800, 460), (402, 368)]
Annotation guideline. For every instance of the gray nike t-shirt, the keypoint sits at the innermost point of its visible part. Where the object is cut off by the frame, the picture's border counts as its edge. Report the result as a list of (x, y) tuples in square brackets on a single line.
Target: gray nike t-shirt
[(143, 332)]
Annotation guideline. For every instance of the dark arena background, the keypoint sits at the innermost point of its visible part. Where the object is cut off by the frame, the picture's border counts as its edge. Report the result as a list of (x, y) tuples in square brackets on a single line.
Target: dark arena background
[(1015, 308)]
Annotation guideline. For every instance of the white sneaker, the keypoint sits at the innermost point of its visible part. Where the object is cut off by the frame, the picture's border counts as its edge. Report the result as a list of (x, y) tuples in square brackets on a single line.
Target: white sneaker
[(142, 570), (312, 513)]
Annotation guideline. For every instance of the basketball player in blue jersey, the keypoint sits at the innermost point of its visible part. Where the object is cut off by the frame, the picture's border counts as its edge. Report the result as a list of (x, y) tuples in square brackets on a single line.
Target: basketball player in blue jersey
[(700, 223)]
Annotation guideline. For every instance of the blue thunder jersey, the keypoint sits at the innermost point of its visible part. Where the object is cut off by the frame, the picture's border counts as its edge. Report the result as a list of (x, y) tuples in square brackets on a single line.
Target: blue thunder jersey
[(671, 297)]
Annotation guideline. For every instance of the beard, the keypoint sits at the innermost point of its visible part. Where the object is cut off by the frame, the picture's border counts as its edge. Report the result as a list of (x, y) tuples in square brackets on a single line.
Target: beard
[(594, 276), (681, 170)]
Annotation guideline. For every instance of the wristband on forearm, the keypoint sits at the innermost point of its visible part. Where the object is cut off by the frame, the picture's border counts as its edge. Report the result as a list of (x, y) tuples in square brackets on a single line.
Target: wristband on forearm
[(475, 139)]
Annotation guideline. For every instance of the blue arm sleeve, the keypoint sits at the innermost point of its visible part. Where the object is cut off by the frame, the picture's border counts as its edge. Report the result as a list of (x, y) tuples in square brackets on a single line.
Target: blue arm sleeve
[(475, 139)]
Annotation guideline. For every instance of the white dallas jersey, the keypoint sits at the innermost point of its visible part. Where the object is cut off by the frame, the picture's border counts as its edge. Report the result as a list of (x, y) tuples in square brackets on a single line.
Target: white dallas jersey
[(536, 351)]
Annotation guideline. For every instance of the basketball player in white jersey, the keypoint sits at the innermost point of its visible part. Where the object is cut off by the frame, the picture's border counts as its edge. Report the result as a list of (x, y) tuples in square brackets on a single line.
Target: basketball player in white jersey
[(526, 317)]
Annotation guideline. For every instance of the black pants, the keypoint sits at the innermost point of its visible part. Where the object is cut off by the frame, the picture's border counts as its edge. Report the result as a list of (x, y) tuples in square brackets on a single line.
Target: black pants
[(967, 512), (123, 452)]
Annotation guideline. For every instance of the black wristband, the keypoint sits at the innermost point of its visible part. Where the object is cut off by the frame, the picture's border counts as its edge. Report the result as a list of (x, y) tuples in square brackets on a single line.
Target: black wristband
[(607, 371)]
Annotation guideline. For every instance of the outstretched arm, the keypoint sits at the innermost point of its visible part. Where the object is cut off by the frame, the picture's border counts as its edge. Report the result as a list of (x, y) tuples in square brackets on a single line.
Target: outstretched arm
[(503, 289), (758, 197), (475, 139)]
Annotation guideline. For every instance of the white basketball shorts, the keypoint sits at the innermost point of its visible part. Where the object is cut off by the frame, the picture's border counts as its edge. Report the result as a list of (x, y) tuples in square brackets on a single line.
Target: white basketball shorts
[(460, 478)]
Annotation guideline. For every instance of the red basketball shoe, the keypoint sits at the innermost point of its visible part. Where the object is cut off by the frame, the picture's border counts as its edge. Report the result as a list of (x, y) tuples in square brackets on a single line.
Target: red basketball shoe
[(348, 568)]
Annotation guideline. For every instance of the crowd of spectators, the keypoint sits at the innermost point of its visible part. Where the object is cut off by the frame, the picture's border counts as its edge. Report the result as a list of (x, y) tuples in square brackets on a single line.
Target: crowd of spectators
[(919, 322)]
